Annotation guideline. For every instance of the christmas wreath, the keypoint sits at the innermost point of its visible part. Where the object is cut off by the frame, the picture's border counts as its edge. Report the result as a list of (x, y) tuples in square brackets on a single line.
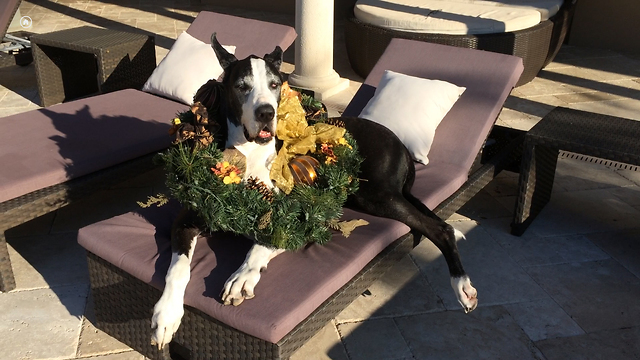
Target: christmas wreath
[(314, 171)]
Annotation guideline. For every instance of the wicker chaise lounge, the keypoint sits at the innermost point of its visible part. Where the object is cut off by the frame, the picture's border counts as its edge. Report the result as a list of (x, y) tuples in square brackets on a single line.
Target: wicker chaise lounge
[(17, 49), (301, 291), (57, 155), (537, 45)]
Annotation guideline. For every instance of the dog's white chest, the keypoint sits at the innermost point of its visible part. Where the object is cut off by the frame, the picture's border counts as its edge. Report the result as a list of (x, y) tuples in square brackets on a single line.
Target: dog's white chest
[(258, 157)]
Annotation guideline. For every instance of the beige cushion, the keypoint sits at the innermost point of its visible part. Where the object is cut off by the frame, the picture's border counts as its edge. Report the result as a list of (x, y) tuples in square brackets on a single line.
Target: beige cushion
[(546, 8), (189, 64), (458, 17), (412, 108)]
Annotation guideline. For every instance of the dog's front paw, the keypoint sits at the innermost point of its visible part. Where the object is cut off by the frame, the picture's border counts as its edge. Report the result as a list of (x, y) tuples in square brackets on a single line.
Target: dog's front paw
[(240, 286), (465, 292), (167, 315)]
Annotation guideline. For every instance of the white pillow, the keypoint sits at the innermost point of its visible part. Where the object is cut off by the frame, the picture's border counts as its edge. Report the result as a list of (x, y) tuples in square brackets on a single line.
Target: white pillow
[(189, 64), (412, 108)]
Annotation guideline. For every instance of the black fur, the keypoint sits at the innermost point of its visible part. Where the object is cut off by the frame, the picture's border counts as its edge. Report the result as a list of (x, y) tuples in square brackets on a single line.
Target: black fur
[(388, 173), (185, 227)]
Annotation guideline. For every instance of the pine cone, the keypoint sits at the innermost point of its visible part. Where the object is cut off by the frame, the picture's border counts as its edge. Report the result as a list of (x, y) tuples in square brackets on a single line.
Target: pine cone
[(266, 193), (255, 184), (252, 183), (265, 220), (336, 122)]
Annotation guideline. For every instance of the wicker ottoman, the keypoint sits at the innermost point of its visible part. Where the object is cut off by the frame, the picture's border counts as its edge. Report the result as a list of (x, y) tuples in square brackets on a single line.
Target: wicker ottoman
[(600, 136), (86, 61)]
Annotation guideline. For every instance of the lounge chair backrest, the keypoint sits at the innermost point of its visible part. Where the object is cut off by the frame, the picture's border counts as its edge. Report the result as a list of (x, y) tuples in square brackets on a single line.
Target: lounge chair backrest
[(463, 131), (228, 31), (8, 9)]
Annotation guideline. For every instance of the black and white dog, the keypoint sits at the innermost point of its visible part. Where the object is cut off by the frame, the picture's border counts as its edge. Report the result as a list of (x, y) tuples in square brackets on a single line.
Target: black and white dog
[(252, 87)]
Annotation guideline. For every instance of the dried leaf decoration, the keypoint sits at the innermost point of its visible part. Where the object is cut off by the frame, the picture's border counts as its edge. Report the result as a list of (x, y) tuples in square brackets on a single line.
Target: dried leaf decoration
[(159, 200), (200, 131), (347, 227)]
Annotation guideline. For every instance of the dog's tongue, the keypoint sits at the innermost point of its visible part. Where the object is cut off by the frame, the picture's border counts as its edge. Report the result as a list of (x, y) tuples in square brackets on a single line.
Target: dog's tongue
[(264, 134)]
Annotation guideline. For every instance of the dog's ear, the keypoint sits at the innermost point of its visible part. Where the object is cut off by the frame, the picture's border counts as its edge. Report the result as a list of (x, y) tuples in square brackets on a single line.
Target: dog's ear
[(275, 57), (224, 57)]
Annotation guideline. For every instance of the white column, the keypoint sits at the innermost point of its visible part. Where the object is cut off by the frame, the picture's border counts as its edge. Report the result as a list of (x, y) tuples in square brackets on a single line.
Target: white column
[(314, 49)]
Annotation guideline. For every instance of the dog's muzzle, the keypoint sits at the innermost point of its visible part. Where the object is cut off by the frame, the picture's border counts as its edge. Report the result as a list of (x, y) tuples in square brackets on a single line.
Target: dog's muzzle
[(264, 115)]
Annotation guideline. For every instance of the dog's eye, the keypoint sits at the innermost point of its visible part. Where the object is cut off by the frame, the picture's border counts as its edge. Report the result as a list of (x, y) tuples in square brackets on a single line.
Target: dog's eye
[(274, 85), (243, 87)]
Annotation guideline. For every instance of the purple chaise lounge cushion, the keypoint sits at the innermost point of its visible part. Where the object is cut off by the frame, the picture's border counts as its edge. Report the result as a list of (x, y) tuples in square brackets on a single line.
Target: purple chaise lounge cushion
[(49, 146), (296, 283), (247, 35)]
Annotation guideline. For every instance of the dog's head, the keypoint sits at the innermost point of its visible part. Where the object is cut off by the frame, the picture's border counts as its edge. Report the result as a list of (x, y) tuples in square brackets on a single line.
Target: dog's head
[(253, 91)]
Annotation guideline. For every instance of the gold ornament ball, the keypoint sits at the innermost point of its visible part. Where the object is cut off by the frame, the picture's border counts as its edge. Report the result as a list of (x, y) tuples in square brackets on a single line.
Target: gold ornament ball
[(304, 169)]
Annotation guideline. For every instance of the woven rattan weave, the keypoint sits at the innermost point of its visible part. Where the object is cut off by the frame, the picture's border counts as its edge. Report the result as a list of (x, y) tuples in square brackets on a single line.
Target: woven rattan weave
[(123, 303), (29, 206), (86, 61), (537, 46), (600, 136)]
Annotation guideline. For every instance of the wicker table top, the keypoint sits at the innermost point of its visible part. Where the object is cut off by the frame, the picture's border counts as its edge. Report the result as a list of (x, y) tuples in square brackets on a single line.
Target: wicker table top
[(86, 61), (589, 133), (86, 38)]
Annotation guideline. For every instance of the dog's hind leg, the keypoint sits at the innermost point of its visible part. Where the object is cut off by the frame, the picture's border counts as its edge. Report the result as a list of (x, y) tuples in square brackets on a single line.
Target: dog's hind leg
[(241, 284), (168, 311), (465, 292), (390, 173), (418, 217)]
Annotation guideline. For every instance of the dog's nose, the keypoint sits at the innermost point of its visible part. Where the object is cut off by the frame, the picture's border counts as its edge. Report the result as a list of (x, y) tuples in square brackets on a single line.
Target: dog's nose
[(265, 113)]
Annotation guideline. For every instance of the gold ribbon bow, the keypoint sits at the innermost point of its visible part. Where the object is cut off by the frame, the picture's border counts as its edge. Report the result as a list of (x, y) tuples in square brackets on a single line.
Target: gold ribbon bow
[(298, 137)]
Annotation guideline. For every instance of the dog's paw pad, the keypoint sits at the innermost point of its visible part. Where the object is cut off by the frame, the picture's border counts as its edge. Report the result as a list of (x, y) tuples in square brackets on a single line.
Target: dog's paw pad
[(240, 286)]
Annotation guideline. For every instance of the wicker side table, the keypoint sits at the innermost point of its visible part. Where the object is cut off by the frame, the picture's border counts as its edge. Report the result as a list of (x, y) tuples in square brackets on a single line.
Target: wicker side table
[(601, 136), (86, 61)]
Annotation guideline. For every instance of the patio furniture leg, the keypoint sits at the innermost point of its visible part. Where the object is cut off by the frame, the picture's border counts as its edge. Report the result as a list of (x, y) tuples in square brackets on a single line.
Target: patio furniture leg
[(7, 281), (536, 182)]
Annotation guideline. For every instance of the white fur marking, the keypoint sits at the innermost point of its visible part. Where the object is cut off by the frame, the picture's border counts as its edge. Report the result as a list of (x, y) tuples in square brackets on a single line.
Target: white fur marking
[(259, 157), (241, 284), (168, 311), (261, 94), (465, 292), (458, 235)]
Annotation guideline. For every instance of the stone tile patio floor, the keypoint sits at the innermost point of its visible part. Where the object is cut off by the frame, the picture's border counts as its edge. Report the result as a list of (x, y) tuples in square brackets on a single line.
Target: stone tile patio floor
[(567, 289)]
